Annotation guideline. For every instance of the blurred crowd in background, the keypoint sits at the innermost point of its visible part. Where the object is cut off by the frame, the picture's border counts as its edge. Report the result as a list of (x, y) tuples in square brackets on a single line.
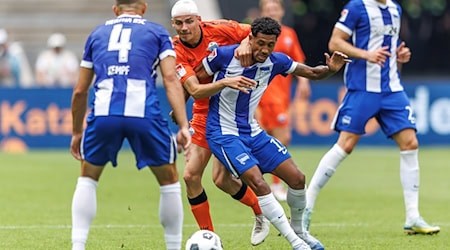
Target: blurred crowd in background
[(425, 28)]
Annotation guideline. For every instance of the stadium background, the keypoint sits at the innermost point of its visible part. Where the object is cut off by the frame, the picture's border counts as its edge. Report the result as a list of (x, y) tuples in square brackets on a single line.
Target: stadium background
[(36, 118)]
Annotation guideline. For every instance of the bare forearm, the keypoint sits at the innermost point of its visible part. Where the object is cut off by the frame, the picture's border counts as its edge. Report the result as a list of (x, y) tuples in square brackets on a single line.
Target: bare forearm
[(199, 91), (174, 91), (313, 73), (79, 106)]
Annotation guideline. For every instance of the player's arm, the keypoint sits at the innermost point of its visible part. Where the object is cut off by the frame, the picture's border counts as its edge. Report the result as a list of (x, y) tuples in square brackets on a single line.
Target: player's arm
[(334, 64), (339, 41), (403, 55), (79, 107), (173, 91), (198, 90)]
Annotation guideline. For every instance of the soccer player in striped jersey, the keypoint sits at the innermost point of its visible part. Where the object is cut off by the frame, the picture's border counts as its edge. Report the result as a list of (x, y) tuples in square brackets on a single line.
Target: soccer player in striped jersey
[(235, 137), (195, 40), (123, 54), (368, 32)]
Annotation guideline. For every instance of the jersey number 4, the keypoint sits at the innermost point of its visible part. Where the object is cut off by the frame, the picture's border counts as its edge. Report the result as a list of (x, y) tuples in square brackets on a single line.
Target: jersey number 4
[(119, 40)]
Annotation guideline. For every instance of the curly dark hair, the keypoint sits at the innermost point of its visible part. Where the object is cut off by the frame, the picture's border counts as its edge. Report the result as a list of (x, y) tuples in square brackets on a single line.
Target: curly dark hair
[(266, 26)]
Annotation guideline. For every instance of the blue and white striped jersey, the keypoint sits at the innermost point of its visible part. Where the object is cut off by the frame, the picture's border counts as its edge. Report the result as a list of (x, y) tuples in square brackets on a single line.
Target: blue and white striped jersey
[(231, 112), (372, 25), (124, 53)]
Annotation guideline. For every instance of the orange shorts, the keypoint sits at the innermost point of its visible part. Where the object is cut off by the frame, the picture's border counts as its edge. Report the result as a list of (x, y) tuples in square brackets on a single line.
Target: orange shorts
[(273, 116), (198, 130)]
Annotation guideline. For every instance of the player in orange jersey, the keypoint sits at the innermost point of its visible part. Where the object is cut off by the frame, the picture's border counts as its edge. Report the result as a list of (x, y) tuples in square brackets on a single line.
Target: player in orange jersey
[(273, 113), (195, 40)]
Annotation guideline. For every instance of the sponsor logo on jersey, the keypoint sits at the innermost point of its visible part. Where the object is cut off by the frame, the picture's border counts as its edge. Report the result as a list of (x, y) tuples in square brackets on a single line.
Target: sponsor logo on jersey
[(344, 14)]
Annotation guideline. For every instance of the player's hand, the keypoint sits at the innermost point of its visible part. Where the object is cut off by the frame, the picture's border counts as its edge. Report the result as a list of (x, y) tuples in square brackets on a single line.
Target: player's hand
[(184, 142), (379, 56), (75, 146), (241, 83), (336, 61), (244, 53), (403, 53)]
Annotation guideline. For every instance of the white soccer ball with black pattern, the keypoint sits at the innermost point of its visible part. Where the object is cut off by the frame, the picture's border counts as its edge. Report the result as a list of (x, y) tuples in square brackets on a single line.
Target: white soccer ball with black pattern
[(204, 240)]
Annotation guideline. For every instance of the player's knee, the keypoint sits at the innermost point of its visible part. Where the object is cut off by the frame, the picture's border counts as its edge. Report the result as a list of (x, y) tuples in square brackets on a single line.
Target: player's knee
[(191, 178), (298, 182)]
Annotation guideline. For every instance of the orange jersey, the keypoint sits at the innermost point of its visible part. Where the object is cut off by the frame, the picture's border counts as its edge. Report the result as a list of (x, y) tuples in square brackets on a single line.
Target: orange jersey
[(220, 32), (279, 90)]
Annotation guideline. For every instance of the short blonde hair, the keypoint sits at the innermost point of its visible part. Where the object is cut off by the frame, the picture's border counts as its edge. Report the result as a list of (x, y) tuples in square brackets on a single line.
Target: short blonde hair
[(264, 2)]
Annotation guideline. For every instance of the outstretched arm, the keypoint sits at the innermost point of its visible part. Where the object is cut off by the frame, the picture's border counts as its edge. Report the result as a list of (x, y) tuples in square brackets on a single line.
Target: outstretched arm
[(334, 64)]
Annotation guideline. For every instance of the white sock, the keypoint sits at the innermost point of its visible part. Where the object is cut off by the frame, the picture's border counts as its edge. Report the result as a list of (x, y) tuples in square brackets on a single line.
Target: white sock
[(410, 178), (274, 212), (297, 201), (171, 215), (327, 166), (84, 208)]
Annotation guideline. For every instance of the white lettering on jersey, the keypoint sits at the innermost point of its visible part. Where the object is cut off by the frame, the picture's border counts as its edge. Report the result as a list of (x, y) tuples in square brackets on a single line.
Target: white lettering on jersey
[(118, 70)]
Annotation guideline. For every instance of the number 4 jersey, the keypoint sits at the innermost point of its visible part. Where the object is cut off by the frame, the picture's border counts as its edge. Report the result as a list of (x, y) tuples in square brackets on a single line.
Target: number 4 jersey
[(124, 53)]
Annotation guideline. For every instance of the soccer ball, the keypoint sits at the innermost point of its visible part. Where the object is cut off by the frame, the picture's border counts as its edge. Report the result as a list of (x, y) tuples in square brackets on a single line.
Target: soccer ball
[(204, 240)]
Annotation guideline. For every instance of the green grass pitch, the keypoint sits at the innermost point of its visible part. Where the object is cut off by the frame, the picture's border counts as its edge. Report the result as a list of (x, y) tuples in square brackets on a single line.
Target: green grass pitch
[(360, 208)]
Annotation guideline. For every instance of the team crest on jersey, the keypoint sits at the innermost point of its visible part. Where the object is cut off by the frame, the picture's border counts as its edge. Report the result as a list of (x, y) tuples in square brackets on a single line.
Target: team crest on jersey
[(212, 55), (242, 158), (181, 71), (344, 14)]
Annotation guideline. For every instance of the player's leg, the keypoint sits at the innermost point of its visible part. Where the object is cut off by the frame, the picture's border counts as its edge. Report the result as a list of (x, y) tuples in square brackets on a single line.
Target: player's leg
[(295, 179), (99, 147), (198, 200), (153, 145), (398, 122), (240, 191), (84, 204), (237, 156), (270, 207), (326, 168), (274, 118), (350, 120), (170, 204), (283, 133)]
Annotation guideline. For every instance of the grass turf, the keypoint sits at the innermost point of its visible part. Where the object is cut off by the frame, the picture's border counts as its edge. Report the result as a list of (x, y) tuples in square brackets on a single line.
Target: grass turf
[(360, 208)]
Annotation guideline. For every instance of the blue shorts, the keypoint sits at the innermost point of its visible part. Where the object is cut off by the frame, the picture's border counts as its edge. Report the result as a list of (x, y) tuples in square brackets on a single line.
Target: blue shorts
[(150, 139), (238, 154), (392, 111)]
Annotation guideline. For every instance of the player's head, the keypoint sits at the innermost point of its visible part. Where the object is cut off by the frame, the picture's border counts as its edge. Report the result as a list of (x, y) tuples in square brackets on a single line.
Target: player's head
[(130, 6), (272, 8), (186, 21), (56, 41), (265, 32)]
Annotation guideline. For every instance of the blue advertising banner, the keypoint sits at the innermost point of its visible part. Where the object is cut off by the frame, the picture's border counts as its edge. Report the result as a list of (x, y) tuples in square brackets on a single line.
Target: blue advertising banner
[(41, 118), (430, 101)]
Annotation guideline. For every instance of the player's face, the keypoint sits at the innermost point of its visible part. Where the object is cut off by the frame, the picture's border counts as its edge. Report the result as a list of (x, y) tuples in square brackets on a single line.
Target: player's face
[(187, 28), (262, 46), (273, 10)]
